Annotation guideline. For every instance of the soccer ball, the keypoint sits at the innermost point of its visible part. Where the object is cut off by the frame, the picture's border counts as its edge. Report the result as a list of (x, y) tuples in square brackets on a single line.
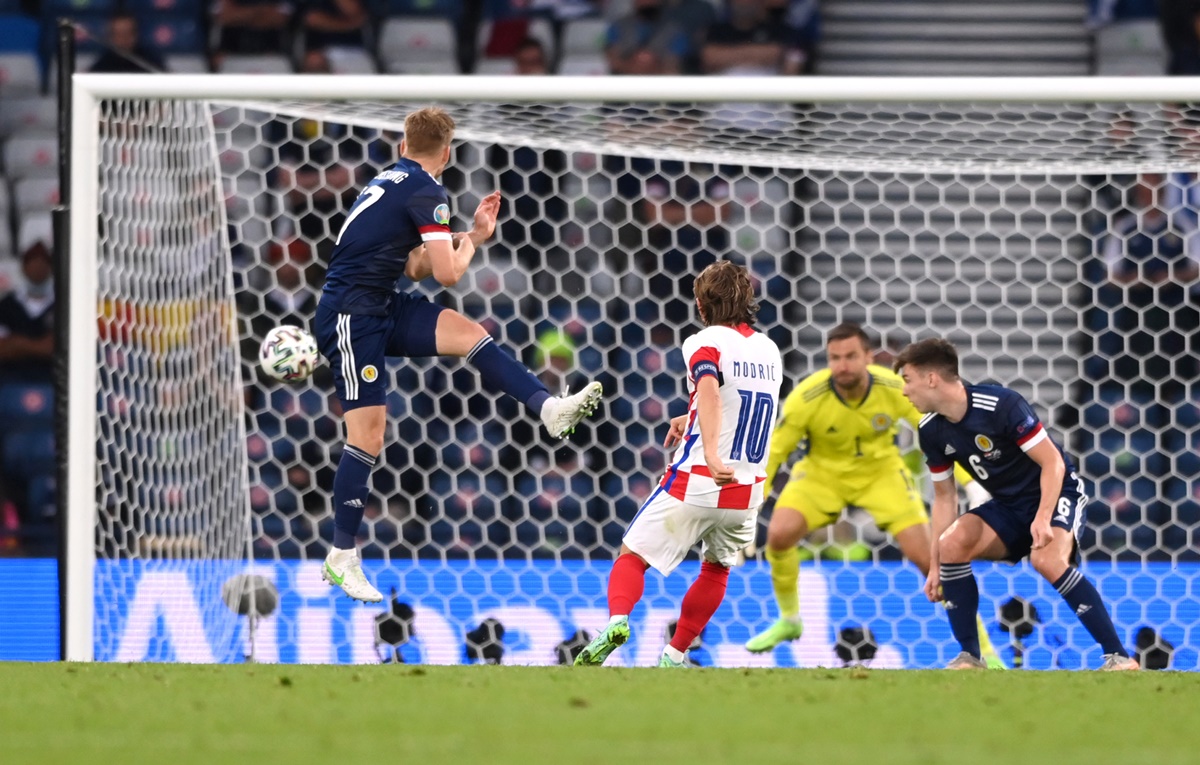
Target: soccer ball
[(288, 354)]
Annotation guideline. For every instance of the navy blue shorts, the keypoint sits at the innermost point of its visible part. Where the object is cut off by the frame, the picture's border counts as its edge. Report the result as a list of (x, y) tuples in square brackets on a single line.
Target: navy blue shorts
[(1011, 520), (355, 345)]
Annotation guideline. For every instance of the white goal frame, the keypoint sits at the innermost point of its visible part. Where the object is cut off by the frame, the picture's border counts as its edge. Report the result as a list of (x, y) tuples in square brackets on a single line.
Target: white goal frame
[(88, 90)]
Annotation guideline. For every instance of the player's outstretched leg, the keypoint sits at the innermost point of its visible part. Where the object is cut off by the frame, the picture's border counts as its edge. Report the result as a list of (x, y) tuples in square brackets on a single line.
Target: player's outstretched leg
[(500, 372), (1052, 562), (965, 660), (342, 568), (987, 651), (626, 583), (961, 593), (613, 636), (702, 600), (560, 415), (788, 526)]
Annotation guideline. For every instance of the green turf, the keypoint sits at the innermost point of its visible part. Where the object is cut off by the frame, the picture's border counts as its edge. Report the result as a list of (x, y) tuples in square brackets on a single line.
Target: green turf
[(177, 715)]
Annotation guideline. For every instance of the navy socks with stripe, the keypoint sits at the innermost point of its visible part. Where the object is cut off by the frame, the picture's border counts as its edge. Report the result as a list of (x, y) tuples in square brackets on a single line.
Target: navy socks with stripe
[(350, 493), (961, 598), (501, 373), (1083, 598)]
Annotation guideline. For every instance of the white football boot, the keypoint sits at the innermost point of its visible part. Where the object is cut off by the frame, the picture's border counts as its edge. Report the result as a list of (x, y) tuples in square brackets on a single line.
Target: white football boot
[(343, 569), (560, 415)]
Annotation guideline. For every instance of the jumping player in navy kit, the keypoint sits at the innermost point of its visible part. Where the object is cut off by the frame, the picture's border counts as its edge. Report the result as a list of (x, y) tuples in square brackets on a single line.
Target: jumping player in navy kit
[(400, 226), (1037, 505)]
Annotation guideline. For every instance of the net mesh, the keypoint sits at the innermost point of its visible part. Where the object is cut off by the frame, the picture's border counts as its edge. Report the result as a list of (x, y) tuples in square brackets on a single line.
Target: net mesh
[(171, 481), (1055, 245)]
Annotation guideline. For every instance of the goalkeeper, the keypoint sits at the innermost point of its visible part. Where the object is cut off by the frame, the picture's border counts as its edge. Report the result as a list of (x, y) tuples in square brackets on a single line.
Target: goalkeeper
[(849, 413)]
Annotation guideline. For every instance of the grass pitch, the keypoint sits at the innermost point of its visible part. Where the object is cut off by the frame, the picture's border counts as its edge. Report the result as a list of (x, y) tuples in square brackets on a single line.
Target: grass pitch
[(179, 714)]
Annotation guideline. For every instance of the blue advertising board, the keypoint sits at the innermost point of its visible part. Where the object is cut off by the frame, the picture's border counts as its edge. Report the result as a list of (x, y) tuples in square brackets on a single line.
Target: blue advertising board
[(171, 611)]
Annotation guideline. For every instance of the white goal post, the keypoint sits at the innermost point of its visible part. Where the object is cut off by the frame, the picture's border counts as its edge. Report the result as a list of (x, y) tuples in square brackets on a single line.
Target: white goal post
[(978, 138)]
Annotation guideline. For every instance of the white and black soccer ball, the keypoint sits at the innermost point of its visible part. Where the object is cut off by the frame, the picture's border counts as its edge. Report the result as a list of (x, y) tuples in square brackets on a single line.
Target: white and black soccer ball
[(288, 354)]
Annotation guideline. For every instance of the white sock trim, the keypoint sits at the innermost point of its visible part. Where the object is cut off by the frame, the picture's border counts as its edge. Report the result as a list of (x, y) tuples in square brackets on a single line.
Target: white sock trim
[(673, 654)]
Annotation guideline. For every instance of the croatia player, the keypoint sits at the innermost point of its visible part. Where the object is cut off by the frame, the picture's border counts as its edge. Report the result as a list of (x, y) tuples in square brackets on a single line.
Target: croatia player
[(1037, 505), (713, 489), (400, 226)]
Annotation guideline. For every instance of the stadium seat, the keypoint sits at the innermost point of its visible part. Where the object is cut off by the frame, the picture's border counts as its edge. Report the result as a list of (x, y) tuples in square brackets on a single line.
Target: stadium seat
[(146, 10), (174, 34), (1131, 48), (186, 63), (26, 403), (37, 194), (29, 450), (28, 113), (34, 228), (584, 37), (29, 155), (578, 64), (71, 8), (19, 74), (344, 60), (265, 64), (445, 9), (417, 45), (10, 267), (495, 66), (20, 33)]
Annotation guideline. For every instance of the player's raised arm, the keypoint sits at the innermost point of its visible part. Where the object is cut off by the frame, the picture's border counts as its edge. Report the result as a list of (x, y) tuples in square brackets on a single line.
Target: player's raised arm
[(449, 260)]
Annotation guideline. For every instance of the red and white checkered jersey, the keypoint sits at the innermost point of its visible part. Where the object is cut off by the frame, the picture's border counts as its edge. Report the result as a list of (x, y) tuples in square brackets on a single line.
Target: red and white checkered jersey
[(748, 368)]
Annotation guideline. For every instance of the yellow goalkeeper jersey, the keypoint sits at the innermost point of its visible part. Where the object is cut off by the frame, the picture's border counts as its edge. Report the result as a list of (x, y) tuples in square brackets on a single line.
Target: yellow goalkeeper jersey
[(847, 440)]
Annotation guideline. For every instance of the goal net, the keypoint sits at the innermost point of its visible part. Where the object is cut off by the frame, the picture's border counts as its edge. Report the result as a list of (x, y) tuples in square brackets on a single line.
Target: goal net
[(1054, 241)]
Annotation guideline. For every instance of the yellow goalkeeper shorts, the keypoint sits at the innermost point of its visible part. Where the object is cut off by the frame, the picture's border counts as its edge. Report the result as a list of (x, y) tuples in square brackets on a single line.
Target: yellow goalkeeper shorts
[(890, 497)]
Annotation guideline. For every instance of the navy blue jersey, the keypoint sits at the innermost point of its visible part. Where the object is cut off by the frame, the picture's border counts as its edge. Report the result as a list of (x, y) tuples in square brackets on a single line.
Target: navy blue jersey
[(396, 212), (990, 443)]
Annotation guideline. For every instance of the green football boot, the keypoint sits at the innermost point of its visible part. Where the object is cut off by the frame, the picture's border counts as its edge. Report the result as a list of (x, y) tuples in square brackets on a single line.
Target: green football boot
[(779, 632), (610, 639)]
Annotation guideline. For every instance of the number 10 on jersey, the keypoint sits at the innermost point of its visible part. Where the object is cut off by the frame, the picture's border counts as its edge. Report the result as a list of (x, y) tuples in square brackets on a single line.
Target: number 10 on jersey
[(753, 426)]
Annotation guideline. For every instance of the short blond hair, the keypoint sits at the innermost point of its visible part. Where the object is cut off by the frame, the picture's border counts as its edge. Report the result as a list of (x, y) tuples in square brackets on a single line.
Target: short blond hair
[(428, 131)]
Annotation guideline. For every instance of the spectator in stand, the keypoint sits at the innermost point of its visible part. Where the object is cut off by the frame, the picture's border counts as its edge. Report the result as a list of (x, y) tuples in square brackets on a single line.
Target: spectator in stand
[(1180, 21), (530, 57), (749, 42), (803, 22), (647, 40), (26, 364), (678, 224), (27, 321), (1146, 294), (334, 24), (124, 54), (252, 26), (319, 169)]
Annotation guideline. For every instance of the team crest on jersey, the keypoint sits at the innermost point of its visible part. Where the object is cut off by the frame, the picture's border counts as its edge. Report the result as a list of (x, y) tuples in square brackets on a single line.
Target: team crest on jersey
[(983, 443), (370, 373), (441, 214), (881, 422)]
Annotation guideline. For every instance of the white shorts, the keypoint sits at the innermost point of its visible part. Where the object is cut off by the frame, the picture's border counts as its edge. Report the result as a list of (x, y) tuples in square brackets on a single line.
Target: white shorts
[(666, 529)]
